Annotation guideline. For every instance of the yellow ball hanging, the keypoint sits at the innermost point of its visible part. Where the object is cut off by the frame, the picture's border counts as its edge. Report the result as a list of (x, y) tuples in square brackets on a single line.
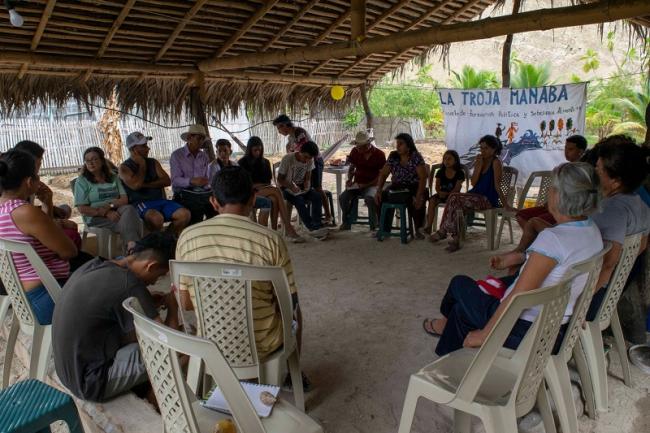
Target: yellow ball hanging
[(337, 92)]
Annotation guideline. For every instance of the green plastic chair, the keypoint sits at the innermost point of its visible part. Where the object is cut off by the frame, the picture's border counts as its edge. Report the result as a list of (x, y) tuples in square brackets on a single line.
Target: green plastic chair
[(403, 218), (30, 406)]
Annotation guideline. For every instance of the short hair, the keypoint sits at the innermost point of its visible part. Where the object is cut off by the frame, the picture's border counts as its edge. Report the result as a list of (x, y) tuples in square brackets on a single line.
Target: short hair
[(577, 187), (15, 166), (31, 147), (232, 185), (492, 142), (579, 141), (282, 119), (310, 148), (224, 142), (158, 246), (623, 160)]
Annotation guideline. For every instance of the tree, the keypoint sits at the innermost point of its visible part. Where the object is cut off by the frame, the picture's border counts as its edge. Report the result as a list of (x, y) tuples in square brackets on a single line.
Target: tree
[(529, 75), (633, 109), (470, 78)]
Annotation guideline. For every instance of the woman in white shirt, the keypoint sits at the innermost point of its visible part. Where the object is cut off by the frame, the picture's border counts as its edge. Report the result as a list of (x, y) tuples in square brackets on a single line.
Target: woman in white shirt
[(469, 313)]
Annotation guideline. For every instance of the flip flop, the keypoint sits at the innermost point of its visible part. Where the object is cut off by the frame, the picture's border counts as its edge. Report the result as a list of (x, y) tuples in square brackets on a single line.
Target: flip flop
[(430, 332)]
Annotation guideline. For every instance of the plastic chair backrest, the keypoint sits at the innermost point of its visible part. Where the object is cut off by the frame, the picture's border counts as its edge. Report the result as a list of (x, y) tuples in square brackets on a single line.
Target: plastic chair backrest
[(533, 351), (542, 193), (160, 347), (224, 306), (591, 267), (508, 182), (14, 287), (629, 252)]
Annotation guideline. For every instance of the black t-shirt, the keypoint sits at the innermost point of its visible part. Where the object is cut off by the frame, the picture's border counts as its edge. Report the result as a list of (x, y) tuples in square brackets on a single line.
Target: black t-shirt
[(150, 175), (259, 169), (90, 325), (447, 184)]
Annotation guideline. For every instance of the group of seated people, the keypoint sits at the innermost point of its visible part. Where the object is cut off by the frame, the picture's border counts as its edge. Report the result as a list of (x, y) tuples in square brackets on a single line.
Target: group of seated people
[(95, 351)]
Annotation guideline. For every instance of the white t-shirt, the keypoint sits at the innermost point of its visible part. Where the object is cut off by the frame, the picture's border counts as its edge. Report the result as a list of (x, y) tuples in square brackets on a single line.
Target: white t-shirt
[(567, 244), (294, 169)]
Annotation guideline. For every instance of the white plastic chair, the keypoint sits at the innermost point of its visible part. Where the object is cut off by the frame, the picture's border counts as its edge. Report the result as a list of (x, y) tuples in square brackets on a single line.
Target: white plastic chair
[(103, 235), (541, 199), (181, 412), (589, 351), (432, 188), (497, 389), (507, 186), (556, 374), (24, 318), (224, 312)]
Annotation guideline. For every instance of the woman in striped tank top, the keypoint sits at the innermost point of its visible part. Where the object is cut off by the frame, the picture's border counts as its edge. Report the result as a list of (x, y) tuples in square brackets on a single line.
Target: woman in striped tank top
[(22, 221)]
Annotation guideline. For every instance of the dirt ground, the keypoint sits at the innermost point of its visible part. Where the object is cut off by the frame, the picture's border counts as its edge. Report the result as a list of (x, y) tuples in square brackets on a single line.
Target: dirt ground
[(363, 303)]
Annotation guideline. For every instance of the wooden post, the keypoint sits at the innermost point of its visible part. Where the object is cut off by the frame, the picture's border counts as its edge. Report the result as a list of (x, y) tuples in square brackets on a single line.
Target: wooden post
[(366, 106), (647, 126), (507, 50), (197, 108), (357, 20)]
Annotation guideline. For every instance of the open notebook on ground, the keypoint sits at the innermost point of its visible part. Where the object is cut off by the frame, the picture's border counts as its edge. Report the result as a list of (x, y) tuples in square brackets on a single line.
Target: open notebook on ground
[(262, 403)]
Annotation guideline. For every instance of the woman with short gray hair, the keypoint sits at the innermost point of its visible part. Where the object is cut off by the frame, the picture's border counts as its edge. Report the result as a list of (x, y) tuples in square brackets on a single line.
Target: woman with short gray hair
[(470, 311)]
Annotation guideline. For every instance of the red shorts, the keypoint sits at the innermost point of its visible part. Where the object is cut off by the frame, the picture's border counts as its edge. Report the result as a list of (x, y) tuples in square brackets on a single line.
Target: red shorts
[(536, 212)]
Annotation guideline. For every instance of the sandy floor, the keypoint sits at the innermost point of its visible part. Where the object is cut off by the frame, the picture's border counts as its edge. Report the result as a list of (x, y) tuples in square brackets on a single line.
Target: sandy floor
[(363, 304)]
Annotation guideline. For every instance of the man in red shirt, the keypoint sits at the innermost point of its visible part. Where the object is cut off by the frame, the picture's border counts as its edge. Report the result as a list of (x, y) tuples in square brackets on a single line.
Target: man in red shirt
[(365, 163)]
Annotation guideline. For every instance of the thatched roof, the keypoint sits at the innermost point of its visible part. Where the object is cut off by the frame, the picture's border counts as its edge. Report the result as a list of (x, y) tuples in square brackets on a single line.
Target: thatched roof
[(156, 51)]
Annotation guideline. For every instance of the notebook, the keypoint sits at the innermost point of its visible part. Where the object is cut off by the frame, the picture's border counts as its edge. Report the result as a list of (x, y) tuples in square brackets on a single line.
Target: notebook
[(216, 401)]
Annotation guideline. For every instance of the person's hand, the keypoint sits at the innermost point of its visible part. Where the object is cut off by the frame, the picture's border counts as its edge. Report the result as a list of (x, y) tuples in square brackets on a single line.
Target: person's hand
[(349, 183), (504, 261), (294, 188), (475, 339), (139, 159), (419, 201), (378, 198), (199, 181), (66, 224), (478, 161), (113, 216), (44, 194)]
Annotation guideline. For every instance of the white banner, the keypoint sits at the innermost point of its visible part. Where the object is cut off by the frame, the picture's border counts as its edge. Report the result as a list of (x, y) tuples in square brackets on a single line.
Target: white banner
[(532, 123)]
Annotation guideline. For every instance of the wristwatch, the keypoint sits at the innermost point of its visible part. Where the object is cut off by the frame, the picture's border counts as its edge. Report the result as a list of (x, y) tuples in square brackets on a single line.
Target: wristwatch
[(112, 206)]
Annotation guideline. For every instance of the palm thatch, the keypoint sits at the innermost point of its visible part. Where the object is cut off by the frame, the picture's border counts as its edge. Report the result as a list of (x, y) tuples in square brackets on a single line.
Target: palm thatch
[(152, 53)]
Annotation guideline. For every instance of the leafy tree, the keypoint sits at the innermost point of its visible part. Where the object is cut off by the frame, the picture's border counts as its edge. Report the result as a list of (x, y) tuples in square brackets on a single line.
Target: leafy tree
[(591, 61), (529, 75), (470, 78)]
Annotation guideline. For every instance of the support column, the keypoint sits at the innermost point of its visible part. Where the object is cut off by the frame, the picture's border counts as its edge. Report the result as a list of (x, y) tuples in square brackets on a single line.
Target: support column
[(197, 108), (507, 50), (357, 19), (366, 107)]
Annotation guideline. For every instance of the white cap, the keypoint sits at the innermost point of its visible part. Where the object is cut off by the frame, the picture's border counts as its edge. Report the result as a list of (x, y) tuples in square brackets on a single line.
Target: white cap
[(136, 139), (362, 137)]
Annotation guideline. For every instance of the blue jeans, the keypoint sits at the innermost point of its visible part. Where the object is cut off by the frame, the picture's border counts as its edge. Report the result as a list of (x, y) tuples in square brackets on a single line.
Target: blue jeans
[(311, 220), (42, 304), (467, 308)]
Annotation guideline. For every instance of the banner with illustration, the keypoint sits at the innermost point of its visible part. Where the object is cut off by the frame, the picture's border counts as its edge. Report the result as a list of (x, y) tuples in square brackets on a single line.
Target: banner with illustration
[(532, 123)]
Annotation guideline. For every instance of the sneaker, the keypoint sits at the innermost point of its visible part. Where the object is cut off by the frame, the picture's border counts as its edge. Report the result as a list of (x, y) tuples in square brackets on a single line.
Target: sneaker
[(306, 383)]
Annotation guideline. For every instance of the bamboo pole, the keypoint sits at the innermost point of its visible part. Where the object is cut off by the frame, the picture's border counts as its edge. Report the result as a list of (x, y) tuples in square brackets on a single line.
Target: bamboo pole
[(47, 13), (314, 79), (357, 20), (246, 27), (179, 28), (543, 19), (507, 50)]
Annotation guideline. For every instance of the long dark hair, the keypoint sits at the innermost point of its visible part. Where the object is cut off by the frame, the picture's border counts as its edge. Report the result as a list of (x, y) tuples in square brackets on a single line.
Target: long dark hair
[(254, 141), (408, 140), (457, 166), (493, 142), (15, 166), (106, 169)]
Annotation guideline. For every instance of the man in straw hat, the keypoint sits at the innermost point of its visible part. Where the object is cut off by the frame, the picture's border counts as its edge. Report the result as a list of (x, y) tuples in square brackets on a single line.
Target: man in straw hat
[(190, 180), (365, 162), (145, 180)]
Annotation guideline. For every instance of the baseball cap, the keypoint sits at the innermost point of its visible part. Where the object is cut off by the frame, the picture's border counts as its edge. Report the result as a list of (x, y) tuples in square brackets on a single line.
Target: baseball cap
[(135, 139)]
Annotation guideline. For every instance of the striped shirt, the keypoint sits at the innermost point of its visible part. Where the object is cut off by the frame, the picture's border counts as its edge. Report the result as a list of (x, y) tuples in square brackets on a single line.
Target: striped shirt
[(59, 268), (237, 239)]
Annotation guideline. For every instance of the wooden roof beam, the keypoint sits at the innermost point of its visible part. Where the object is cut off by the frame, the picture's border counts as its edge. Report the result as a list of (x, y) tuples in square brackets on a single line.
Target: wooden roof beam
[(250, 22), (541, 19), (179, 28), (357, 20), (115, 27), (297, 17), (47, 13)]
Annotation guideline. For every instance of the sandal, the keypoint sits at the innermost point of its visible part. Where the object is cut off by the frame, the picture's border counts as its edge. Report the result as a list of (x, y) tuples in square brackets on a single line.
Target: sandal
[(430, 330), (437, 236)]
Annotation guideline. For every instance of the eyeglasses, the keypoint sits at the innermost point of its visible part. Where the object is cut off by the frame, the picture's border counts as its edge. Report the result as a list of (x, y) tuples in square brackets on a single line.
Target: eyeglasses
[(92, 160)]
